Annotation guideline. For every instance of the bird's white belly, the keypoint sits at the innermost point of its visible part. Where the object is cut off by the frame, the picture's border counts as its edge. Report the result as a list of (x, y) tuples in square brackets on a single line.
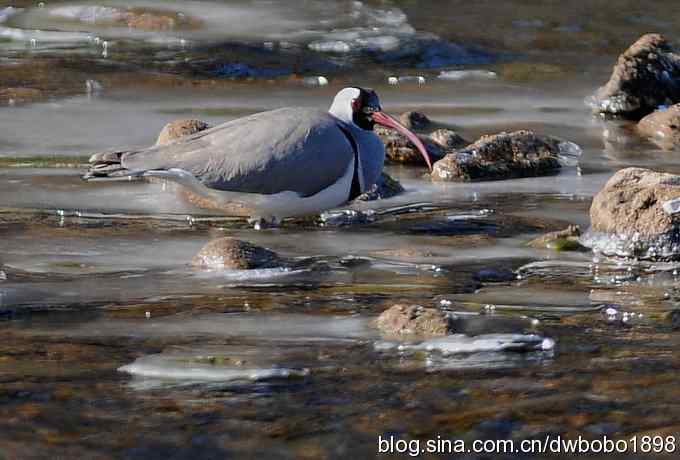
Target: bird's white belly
[(287, 204), (268, 207)]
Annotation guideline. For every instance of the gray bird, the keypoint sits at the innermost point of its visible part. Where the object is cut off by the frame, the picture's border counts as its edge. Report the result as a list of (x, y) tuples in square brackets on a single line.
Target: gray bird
[(276, 164)]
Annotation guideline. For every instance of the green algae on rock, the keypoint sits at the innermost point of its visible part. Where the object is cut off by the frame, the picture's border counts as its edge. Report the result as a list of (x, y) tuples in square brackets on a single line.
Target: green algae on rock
[(561, 240)]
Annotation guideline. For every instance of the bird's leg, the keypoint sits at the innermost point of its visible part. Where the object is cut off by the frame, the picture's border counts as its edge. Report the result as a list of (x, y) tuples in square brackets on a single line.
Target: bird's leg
[(261, 223)]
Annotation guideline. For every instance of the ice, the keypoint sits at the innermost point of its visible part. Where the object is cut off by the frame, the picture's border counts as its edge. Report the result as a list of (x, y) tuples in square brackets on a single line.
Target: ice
[(459, 343), (335, 46), (265, 328), (179, 368), (7, 12), (87, 13), (569, 153), (467, 74)]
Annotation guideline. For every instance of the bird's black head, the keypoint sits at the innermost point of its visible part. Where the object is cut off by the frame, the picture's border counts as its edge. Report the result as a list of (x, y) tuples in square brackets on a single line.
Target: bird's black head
[(363, 107)]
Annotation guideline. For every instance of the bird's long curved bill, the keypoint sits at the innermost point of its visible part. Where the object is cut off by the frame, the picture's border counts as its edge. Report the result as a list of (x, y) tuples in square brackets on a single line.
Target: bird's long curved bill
[(383, 119)]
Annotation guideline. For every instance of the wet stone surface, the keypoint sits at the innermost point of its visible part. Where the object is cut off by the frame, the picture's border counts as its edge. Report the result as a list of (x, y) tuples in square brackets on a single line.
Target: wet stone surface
[(501, 156), (414, 320), (643, 78)]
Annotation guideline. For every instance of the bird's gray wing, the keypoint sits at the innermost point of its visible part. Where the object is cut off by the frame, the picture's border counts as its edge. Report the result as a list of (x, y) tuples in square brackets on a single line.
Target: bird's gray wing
[(293, 149)]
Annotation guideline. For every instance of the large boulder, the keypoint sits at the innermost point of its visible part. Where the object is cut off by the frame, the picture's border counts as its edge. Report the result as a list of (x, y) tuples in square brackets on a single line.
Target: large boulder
[(414, 320), (503, 156), (662, 127), (645, 76), (232, 254), (637, 214)]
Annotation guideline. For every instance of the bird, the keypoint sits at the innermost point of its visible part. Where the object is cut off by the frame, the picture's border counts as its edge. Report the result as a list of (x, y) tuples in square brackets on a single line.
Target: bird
[(281, 163)]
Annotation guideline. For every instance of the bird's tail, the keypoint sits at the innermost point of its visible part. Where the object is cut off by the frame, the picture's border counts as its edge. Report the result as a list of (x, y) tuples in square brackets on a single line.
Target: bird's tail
[(108, 166)]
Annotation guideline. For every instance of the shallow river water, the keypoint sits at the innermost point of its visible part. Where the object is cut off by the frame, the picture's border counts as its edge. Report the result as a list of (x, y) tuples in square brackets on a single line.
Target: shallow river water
[(113, 346)]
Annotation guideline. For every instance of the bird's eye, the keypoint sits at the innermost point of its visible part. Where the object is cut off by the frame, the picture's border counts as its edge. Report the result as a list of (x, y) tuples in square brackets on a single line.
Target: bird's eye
[(369, 110)]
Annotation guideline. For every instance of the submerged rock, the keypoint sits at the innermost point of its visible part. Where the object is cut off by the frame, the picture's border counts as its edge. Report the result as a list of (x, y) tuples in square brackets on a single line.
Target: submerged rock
[(179, 128), (387, 187), (415, 121), (645, 76), (134, 18), (502, 156), (232, 254), (414, 319), (635, 215), (14, 95), (673, 318), (561, 240), (662, 126)]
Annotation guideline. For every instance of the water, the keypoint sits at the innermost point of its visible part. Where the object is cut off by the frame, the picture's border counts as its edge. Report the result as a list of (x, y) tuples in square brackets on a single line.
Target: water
[(106, 324)]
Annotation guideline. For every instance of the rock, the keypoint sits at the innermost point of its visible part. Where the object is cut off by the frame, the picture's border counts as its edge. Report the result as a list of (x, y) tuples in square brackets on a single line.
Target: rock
[(180, 128), (636, 215), (502, 156), (232, 254), (561, 240), (662, 127), (644, 77), (414, 319), (448, 139), (14, 95), (495, 275), (673, 317), (133, 17), (415, 121), (387, 187), (398, 149), (631, 202)]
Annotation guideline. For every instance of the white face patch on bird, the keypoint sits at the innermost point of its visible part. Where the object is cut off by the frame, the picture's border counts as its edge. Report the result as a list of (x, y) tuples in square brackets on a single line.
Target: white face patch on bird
[(361, 107)]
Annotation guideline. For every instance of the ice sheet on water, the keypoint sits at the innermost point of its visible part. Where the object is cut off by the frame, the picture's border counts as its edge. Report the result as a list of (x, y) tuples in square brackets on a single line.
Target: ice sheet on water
[(472, 74), (633, 246), (182, 368), (458, 343), (265, 328)]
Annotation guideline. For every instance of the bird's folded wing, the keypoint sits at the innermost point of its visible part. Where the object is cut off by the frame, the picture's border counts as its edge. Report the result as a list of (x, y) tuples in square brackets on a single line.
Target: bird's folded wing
[(292, 149)]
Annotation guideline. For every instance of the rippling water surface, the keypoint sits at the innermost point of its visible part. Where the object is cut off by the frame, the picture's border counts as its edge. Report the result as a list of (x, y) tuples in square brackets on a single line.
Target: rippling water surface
[(114, 347)]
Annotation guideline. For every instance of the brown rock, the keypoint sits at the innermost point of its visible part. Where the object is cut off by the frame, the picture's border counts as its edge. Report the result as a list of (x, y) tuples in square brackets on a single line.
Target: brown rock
[(398, 149), (501, 156), (414, 319), (416, 121), (232, 254), (149, 21), (631, 202), (643, 78), (180, 128), (662, 127), (13, 95)]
